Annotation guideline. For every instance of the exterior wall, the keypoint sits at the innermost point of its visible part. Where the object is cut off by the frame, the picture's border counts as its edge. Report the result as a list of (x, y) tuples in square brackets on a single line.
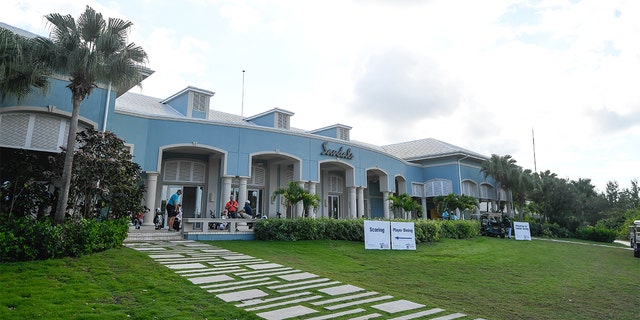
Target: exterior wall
[(59, 96)]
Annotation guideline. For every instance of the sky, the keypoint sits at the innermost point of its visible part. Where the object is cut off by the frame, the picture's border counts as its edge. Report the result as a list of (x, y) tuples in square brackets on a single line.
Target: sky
[(488, 76)]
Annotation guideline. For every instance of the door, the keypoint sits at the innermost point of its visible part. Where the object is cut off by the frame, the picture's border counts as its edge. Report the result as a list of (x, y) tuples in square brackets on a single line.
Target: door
[(334, 206)]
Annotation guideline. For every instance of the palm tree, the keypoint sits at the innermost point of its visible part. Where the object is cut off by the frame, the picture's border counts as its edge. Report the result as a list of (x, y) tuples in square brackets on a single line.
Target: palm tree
[(91, 51), (294, 193), (502, 169), (404, 202), (18, 72)]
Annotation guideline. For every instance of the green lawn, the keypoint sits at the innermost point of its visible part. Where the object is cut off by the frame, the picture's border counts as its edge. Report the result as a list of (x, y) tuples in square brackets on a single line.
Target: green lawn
[(484, 277)]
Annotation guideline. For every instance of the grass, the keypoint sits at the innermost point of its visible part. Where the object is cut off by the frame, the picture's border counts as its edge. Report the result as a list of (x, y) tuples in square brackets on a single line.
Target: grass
[(115, 284), (483, 277)]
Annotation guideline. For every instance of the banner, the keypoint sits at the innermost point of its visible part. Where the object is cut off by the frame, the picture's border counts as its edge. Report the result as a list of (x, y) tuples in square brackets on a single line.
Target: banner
[(377, 235), (522, 230)]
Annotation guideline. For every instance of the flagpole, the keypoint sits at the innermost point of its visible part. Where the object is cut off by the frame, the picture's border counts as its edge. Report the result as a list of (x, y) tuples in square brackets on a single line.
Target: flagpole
[(533, 138), (242, 106)]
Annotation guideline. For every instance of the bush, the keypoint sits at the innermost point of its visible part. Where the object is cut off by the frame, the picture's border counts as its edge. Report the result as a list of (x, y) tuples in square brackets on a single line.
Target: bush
[(353, 229), (548, 230), (598, 234), (26, 239)]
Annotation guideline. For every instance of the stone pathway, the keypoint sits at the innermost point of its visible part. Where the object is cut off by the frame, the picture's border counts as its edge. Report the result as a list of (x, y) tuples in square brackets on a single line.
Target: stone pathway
[(274, 291)]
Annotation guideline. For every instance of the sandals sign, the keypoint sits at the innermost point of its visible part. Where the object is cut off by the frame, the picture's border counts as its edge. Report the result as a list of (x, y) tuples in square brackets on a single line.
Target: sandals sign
[(340, 153)]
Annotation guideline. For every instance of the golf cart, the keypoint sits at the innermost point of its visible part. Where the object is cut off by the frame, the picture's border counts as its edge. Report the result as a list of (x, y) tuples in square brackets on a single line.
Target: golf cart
[(634, 237), (491, 225)]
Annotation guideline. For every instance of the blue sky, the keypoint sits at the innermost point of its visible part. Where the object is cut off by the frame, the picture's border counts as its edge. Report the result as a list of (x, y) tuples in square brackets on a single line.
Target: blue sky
[(477, 74)]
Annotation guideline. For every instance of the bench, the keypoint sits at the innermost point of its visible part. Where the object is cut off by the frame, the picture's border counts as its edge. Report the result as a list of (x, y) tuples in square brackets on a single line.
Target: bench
[(232, 224)]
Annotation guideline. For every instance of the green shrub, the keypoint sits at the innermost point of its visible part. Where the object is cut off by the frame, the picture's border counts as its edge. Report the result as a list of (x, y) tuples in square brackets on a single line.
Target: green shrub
[(26, 239), (353, 229), (548, 230), (598, 234)]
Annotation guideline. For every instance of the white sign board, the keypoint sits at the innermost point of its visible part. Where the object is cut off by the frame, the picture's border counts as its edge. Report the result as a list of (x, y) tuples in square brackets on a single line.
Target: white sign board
[(403, 236), (522, 230), (377, 235)]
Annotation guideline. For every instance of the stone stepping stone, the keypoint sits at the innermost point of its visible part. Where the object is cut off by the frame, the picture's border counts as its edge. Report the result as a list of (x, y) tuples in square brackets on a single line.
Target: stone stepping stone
[(242, 295), (286, 313), (150, 249), (264, 266), (260, 273), (420, 314), (210, 279), (337, 314), (345, 298), (215, 250), (234, 283), (165, 256), (367, 316), (451, 316), (355, 303), (283, 303), (298, 276), (344, 289), (242, 287), (237, 257), (309, 286), (186, 266), (299, 283), (247, 303), (397, 306)]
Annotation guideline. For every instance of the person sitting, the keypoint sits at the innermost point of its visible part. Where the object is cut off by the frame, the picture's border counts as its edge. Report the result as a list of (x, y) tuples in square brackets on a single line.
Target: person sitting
[(231, 208)]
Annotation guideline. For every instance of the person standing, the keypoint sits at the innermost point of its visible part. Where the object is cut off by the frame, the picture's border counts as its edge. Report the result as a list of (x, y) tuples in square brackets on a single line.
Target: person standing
[(506, 223), (231, 207), (173, 208)]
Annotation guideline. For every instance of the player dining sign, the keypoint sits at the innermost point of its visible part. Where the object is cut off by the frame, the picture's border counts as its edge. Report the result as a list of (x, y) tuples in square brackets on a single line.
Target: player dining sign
[(385, 235)]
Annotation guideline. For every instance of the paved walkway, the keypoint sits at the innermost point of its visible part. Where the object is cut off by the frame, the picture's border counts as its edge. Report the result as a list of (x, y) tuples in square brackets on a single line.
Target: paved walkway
[(274, 291)]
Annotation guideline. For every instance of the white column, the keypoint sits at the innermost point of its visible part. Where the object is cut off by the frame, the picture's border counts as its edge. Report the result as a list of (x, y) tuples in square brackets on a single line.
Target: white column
[(150, 195), (360, 191), (424, 208), (226, 192), (385, 203), (352, 203), (299, 207), (242, 193), (312, 190)]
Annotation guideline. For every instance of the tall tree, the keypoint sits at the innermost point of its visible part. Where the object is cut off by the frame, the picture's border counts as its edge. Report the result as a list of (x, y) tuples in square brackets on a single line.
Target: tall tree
[(91, 51), (19, 73), (501, 169)]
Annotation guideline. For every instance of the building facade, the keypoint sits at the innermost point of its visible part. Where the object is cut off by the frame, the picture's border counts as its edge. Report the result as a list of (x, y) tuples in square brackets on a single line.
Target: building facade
[(182, 143)]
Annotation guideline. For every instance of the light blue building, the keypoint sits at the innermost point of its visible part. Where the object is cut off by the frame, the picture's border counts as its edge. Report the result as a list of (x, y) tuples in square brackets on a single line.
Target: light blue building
[(181, 143)]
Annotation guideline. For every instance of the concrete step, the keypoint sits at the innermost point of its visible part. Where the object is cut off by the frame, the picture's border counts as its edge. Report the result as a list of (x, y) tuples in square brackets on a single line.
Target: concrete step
[(148, 233)]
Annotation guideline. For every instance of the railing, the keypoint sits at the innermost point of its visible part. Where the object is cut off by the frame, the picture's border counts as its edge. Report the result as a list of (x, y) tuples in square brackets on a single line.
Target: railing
[(212, 225)]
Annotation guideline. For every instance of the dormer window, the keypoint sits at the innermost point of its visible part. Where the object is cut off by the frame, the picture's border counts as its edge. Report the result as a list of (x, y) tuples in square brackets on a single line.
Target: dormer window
[(343, 133), (283, 121), (200, 102)]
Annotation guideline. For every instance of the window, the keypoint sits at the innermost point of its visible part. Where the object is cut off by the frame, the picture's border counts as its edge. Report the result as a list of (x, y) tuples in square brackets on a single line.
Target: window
[(486, 191), (417, 189), (470, 188), (336, 184), (258, 175), (438, 187), (343, 134), (200, 102), (184, 171), (34, 131), (283, 121)]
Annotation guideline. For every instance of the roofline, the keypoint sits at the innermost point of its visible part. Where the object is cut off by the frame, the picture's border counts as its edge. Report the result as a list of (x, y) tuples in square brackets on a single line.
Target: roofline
[(337, 125), (289, 113), (189, 88)]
